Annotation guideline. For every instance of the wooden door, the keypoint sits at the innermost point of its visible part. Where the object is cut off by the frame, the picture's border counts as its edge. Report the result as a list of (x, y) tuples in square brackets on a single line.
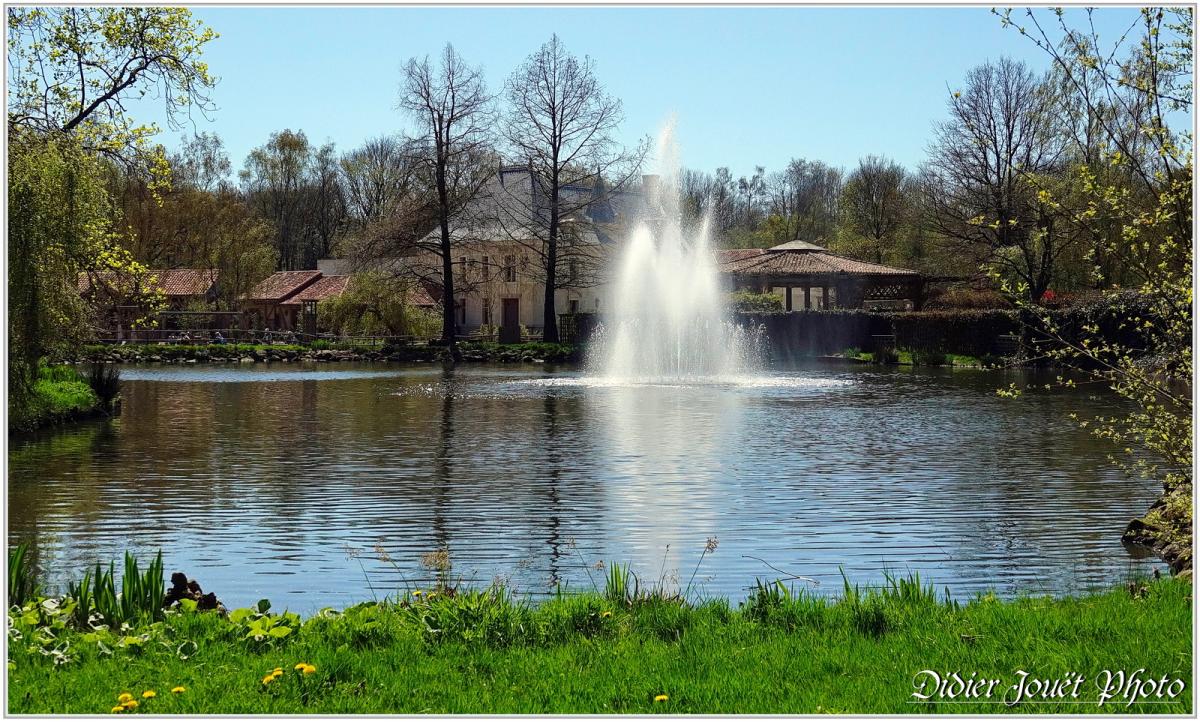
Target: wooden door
[(510, 320)]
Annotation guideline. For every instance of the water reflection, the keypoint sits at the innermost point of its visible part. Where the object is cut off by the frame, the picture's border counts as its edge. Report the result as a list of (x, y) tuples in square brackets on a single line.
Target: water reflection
[(282, 487)]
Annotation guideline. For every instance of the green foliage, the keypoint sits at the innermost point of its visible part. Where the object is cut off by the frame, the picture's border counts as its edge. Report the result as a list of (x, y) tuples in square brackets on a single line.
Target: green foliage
[(1134, 198), (929, 358), (22, 576), (140, 600), (59, 394), (967, 299), (749, 302), (376, 304), (485, 651)]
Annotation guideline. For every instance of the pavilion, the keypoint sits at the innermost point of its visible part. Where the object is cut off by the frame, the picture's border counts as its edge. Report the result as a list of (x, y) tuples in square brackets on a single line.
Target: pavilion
[(808, 276)]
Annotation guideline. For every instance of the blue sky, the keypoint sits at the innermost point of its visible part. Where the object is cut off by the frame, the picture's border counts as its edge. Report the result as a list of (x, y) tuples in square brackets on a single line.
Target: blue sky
[(749, 86)]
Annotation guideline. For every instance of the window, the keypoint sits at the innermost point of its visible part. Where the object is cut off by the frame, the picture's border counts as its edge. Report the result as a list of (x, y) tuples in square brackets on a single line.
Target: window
[(573, 306), (462, 311), (487, 272), (487, 307), (510, 268), (572, 270)]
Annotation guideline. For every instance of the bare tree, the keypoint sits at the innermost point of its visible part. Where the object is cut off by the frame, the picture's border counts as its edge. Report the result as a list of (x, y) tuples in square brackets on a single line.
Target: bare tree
[(376, 177), (874, 206), (1001, 133), (562, 122), (451, 106)]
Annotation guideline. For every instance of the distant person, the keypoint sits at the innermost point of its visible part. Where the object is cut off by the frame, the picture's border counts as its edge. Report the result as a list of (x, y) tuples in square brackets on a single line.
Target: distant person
[(218, 338)]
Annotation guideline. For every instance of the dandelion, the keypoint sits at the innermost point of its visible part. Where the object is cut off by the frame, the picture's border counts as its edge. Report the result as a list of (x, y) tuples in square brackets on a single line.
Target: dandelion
[(149, 693), (417, 593), (661, 698), (125, 697), (300, 666), (118, 708), (268, 679), (309, 669), (129, 704), (605, 615), (178, 690)]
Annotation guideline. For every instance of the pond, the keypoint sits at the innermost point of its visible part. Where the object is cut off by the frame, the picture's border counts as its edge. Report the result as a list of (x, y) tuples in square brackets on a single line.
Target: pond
[(325, 485)]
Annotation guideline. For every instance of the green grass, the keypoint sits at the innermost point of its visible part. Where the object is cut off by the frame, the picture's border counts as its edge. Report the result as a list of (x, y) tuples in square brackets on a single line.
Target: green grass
[(611, 652), (905, 357), (59, 394)]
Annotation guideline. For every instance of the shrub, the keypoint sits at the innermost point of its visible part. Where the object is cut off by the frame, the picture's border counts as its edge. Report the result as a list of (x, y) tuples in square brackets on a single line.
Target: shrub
[(972, 333), (22, 576), (749, 302), (967, 299), (929, 358)]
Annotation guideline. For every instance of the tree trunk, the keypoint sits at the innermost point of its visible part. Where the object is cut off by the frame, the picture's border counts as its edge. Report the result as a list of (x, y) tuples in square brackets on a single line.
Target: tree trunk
[(448, 321), (549, 318)]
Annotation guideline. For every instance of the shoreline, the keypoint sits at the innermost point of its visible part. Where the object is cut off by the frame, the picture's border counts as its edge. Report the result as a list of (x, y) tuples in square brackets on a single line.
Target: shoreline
[(452, 650)]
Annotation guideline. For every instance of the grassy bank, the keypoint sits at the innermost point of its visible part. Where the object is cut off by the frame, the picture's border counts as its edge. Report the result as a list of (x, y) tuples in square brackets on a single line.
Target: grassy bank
[(616, 652), (60, 394)]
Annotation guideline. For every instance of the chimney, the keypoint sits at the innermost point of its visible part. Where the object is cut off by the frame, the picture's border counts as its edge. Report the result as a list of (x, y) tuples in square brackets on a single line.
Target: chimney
[(650, 184)]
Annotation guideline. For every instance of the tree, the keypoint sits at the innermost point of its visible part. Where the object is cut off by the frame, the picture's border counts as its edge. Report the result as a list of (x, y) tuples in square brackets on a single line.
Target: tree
[(1001, 130), (377, 176), (453, 111), (562, 122), (297, 187), (71, 71), (1142, 214), (874, 205), (376, 303)]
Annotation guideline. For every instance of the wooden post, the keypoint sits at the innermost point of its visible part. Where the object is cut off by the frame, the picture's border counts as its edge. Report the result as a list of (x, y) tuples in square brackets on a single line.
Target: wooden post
[(807, 297), (789, 298)]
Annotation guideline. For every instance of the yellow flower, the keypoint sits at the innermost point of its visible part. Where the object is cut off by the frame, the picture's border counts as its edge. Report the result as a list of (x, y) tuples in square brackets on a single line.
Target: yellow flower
[(125, 697), (661, 698), (178, 690), (129, 704), (149, 693), (309, 669), (417, 593), (118, 708), (300, 666), (603, 615), (268, 679)]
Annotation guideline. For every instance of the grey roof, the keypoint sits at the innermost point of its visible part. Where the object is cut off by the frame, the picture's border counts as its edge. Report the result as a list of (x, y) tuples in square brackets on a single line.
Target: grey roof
[(513, 206), (797, 245)]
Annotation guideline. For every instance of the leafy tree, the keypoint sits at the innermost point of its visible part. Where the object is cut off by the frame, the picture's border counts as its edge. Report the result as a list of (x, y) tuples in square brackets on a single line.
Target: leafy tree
[(875, 207), (1143, 215), (376, 303), (71, 71)]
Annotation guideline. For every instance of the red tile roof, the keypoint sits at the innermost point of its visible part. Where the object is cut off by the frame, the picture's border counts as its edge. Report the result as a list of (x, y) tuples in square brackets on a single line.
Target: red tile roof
[(173, 282), (798, 262), (325, 287), (282, 284)]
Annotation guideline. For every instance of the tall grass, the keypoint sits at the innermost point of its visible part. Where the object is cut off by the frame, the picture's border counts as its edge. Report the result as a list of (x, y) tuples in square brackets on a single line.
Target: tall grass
[(22, 576), (105, 380), (141, 597)]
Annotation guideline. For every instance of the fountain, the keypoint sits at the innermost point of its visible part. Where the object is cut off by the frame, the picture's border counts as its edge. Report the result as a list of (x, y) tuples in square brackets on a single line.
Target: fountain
[(668, 322)]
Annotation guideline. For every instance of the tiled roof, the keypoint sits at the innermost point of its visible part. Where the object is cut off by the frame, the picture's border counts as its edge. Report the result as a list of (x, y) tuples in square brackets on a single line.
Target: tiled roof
[(772, 262), (325, 287), (420, 296), (281, 284), (173, 282)]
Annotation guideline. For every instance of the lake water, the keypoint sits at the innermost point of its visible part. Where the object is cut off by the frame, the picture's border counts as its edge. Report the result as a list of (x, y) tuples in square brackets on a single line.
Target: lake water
[(287, 481)]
